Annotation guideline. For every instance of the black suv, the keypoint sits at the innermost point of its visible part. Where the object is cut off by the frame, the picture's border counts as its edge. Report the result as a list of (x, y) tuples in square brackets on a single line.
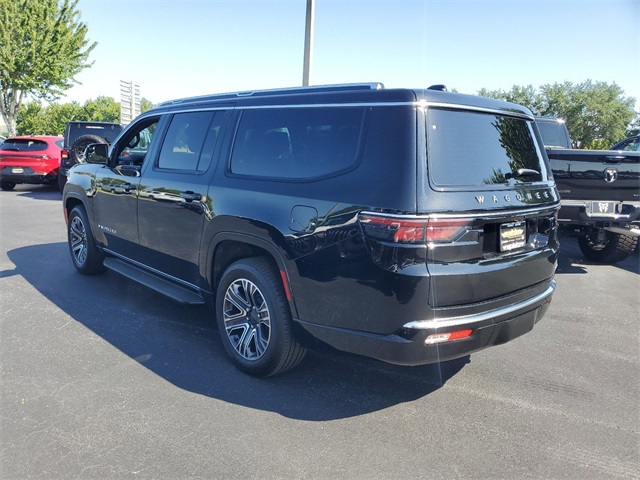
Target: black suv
[(412, 226)]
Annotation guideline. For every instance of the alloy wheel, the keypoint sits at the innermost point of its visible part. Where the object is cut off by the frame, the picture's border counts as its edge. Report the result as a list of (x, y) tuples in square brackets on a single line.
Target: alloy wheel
[(247, 320), (78, 240)]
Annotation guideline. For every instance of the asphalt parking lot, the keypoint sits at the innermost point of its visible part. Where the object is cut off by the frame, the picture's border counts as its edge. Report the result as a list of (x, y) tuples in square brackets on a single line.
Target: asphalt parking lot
[(102, 378)]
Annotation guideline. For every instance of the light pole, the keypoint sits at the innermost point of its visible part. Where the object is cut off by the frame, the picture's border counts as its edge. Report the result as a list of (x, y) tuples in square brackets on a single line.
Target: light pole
[(308, 44)]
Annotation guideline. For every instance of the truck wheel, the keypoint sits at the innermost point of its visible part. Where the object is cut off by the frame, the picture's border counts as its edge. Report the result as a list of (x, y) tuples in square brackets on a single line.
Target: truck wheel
[(7, 185), (254, 319), (606, 247), (86, 256), (76, 152)]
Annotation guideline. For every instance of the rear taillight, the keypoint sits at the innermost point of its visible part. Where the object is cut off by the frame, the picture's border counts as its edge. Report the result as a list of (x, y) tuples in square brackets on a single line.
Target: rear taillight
[(64, 154), (403, 229)]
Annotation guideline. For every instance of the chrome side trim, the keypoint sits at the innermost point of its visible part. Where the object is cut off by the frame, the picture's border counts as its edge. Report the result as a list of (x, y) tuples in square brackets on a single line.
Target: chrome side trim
[(414, 104), (481, 317), (150, 269), (496, 111), (329, 105), (471, 215)]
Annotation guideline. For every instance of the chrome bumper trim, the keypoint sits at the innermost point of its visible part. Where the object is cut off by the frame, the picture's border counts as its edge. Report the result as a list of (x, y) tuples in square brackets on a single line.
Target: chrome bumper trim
[(481, 317)]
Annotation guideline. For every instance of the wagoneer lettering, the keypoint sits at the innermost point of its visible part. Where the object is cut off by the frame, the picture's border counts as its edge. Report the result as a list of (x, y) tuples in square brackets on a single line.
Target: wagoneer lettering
[(348, 215)]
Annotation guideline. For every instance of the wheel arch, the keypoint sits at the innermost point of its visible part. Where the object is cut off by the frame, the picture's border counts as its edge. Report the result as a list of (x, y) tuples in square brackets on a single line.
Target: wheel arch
[(71, 202), (226, 248)]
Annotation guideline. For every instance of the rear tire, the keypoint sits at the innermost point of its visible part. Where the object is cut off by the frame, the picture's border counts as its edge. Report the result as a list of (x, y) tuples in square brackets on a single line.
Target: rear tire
[(606, 247), (86, 256), (7, 185), (254, 319)]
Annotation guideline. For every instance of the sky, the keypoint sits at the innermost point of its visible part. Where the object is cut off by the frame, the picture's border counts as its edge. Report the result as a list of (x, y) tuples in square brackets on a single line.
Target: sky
[(184, 48)]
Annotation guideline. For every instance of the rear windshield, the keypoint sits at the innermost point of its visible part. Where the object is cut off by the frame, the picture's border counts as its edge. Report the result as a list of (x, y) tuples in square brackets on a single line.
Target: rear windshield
[(554, 135), (23, 145), (467, 148)]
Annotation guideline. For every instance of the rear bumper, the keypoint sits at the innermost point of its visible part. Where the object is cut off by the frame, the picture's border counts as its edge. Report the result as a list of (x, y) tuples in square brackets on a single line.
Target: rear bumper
[(27, 176), (408, 347), (582, 212)]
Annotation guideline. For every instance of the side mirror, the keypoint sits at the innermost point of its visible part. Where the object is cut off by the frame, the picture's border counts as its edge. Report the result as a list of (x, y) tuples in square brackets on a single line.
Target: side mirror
[(97, 153)]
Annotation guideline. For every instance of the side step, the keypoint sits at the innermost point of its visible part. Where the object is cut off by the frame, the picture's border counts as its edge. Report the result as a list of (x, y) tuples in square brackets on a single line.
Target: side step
[(172, 290)]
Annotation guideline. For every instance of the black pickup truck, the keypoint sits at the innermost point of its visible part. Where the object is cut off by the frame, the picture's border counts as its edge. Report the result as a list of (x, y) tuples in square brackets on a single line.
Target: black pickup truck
[(600, 192)]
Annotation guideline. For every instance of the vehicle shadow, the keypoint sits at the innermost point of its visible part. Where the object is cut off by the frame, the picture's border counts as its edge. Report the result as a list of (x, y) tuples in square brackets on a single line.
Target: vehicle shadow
[(39, 192), (181, 344), (572, 261)]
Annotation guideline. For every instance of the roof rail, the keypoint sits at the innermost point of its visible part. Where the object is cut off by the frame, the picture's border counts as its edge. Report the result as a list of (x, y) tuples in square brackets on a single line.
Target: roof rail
[(279, 91)]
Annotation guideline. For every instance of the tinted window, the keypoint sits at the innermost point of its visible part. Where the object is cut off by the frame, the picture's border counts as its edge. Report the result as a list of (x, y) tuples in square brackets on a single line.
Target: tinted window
[(297, 143), (190, 141), (23, 145), (132, 148), (468, 148), (633, 146), (554, 135)]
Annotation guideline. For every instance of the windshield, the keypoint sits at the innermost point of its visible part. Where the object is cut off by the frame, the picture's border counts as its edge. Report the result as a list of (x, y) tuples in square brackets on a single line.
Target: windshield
[(23, 145), (468, 148)]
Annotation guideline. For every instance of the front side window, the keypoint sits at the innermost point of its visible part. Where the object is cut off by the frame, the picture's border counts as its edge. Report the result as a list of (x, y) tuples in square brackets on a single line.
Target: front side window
[(297, 143), (467, 148), (132, 148), (190, 140)]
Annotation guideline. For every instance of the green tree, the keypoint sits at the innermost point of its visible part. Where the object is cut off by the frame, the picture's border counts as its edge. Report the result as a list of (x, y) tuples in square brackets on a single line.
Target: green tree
[(43, 46), (102, 109), (58, 114), (33, 119), (597, 114), (145, 105), (526, 96)]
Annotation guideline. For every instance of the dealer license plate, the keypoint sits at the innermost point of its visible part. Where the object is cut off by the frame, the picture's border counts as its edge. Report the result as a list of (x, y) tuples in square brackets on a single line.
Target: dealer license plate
[(512, 235), (603, 208), (17, 170)]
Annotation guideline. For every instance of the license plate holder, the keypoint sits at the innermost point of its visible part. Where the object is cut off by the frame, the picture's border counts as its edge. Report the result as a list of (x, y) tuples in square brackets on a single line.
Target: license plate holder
[(513, 235), (603, 209)]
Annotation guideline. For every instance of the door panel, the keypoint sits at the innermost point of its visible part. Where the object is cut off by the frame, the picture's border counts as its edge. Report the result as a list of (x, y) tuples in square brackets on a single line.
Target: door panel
[(173, 201), (116, 190)]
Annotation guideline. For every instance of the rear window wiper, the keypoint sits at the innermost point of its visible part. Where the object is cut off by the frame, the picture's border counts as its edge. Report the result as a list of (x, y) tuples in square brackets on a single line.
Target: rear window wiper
[(521, 172)]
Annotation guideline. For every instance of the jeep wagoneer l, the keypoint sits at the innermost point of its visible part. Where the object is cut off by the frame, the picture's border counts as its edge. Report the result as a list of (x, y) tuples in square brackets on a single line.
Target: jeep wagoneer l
[(409, 225)]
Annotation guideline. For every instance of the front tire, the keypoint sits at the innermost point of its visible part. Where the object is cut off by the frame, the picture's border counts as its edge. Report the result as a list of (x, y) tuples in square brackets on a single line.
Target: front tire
[(254, 319), (606, 247), (86, 256)]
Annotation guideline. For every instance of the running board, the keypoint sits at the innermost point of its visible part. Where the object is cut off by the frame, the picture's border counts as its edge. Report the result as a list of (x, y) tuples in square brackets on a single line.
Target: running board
[(165, 287)]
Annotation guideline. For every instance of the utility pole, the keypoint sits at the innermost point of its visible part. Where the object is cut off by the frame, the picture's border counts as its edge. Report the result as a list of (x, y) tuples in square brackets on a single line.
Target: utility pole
[(308, 44)]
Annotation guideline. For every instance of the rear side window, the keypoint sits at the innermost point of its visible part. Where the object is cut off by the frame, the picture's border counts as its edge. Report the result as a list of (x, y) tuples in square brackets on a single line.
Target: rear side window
[(477, 149), (297, 143), (23, 145), (190, 140)]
